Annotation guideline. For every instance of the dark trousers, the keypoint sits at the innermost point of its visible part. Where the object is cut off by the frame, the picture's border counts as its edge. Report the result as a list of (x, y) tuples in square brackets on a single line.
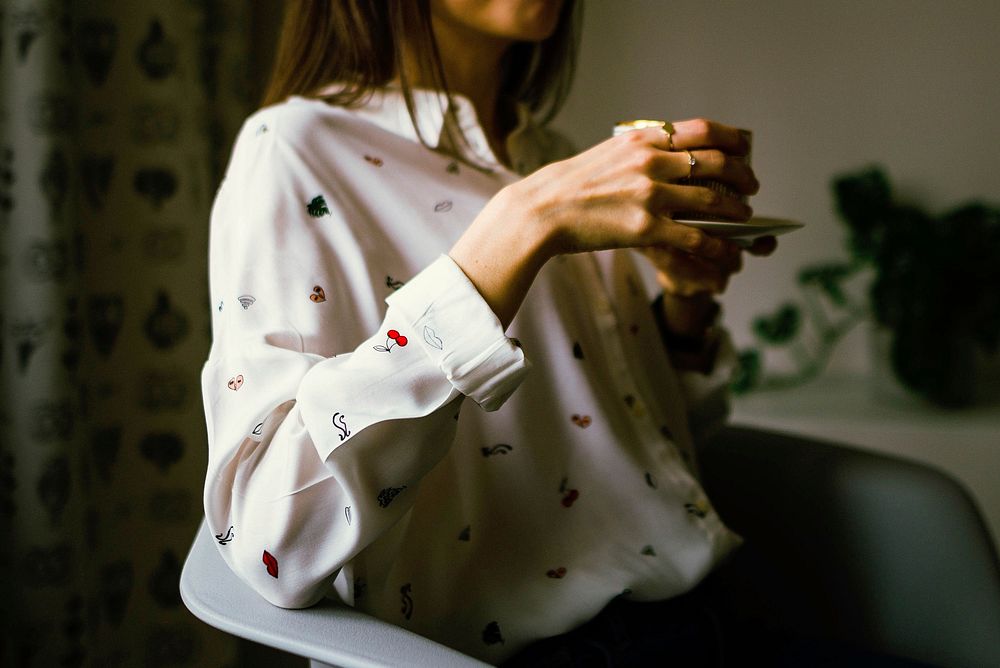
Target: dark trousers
[(711, 626)]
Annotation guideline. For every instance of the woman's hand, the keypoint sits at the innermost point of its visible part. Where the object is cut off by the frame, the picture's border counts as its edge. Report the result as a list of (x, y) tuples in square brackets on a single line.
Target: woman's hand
[(621, 193), (683, 274), (689, 284), (624, 192)]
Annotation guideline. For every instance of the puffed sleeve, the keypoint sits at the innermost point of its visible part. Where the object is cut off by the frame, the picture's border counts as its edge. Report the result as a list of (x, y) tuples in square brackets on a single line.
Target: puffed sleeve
[(319, 433)]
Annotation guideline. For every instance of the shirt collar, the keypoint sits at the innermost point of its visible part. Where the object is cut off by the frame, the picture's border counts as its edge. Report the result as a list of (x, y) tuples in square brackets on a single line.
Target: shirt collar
[(386, 108)]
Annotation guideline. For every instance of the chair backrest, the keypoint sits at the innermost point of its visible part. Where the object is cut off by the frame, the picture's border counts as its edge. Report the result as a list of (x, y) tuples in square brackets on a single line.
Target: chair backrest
[(876, 550), (328, 633)]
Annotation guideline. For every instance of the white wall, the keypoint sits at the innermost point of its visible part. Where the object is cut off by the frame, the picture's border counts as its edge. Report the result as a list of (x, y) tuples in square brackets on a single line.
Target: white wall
[(826, 87)]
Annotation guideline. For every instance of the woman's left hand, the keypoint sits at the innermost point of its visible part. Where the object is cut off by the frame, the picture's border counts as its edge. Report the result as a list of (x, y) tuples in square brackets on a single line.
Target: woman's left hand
[(690, 282), (682, 274)]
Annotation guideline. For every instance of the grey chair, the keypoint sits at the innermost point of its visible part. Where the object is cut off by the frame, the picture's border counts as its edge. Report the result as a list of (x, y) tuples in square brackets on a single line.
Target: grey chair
[(848, 545)]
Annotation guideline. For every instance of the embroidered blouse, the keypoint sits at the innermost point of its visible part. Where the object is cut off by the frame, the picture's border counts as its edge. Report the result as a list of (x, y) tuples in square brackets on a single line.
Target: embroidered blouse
[(376, 437)]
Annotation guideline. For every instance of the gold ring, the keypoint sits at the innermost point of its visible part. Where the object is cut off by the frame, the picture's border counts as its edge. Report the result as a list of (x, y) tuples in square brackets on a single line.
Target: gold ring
[(691, 163), (622, 127)]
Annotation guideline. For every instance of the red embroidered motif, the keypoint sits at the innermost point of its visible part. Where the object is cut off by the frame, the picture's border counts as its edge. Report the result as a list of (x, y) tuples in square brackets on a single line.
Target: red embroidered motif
[(271, 563), (392, 335)]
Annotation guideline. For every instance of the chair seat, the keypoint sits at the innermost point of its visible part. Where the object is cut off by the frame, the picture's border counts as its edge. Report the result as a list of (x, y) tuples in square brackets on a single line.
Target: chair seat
[(329, 633)]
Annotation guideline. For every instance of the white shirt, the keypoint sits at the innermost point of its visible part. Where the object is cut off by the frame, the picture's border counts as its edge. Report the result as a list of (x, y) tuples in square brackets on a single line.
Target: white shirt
[(345, 344)]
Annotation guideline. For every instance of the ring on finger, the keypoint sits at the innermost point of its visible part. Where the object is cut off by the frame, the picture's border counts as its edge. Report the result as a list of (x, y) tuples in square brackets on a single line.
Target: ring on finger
[(668, 129), (621, 127), (691, 163)]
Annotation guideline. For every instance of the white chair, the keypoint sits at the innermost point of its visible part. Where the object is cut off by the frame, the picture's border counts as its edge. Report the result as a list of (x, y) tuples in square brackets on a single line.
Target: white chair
[(875, 551)]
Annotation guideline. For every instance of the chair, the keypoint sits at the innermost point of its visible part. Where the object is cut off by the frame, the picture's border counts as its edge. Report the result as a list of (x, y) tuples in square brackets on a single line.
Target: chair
[(858, 547)]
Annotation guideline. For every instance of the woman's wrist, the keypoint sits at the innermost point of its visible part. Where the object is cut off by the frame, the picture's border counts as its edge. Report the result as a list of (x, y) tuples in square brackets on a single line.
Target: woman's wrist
[(688, 317), (687, 327), (501, 253)]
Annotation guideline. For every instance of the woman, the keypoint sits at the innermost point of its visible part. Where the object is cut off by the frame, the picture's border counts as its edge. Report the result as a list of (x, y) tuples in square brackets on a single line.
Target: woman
[(372, 249)]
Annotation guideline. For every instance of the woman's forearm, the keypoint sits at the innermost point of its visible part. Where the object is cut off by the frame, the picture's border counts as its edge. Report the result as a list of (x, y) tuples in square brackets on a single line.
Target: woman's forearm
[(501, 256)]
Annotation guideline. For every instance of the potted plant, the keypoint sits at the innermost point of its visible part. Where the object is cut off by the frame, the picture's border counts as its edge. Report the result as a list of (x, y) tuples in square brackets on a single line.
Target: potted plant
[(934, 288)]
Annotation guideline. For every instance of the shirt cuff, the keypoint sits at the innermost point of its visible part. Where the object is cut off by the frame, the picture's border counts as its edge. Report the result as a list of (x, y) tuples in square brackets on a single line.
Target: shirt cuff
[(461, 334), (697, 386)]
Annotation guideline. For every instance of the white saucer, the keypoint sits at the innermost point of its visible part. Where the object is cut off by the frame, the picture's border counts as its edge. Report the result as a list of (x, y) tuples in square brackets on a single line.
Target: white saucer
[(758, 226)]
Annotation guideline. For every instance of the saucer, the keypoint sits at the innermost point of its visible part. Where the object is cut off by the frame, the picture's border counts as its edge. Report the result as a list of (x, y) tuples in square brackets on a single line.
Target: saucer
[(746, 232)]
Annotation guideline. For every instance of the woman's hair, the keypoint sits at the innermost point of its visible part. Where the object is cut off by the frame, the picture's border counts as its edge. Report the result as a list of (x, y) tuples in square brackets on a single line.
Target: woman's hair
[(359, 44)]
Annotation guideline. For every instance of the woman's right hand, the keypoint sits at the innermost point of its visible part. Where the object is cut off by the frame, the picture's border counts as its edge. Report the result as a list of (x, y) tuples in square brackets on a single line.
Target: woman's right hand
[(621, 193)]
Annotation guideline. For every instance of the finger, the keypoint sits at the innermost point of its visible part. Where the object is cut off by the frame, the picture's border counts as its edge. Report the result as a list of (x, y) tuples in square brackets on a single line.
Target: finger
[(674, 259), (693, 275), (656, 137), (719, 166), (763, 246), (667, 165), (676, 199), (692, 240), (701, 133)]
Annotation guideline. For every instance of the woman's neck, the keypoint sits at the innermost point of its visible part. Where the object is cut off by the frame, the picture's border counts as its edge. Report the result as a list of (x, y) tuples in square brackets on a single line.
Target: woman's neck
[(471, 63)]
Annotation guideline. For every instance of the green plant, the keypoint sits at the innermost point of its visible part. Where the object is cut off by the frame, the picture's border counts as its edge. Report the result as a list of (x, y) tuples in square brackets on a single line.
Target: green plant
[(935, 286)]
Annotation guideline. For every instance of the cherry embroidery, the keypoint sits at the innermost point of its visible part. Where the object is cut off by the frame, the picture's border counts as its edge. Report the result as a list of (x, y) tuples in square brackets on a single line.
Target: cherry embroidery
[(318, 294), (271, 563), (570, 495), (225, 539), (236, 382), (395, 336), (375, 161), (582, 421)]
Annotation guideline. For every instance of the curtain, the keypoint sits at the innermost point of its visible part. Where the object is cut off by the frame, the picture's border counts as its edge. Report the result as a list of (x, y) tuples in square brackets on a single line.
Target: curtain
[(116, 119)]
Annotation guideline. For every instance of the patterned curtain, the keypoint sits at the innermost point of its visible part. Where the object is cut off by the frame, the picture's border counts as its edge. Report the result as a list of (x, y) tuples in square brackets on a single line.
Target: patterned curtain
[(115, 120)]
